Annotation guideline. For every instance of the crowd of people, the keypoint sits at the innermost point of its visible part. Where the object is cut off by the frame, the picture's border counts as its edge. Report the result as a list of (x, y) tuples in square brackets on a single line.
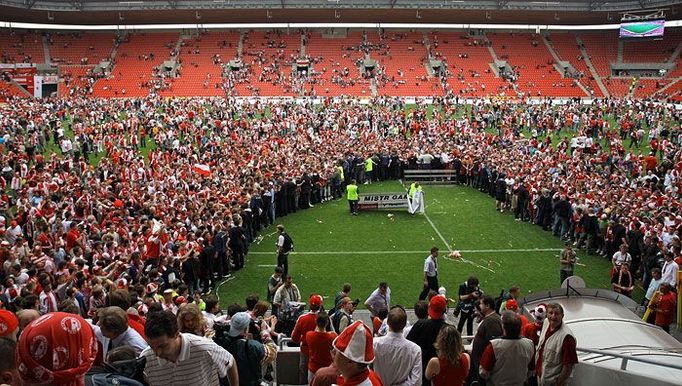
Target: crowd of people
[(153, 201)]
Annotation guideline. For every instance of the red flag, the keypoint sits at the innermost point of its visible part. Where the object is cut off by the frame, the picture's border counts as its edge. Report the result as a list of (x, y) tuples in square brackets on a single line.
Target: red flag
[(202, 169)]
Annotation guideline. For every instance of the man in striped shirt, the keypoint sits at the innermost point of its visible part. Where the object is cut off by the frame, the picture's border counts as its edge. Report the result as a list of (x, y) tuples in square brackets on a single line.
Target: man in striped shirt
[(174, 358)]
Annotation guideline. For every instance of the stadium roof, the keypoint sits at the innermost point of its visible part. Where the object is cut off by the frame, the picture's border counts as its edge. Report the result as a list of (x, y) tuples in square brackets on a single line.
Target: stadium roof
[(556, 5), (326, 11)]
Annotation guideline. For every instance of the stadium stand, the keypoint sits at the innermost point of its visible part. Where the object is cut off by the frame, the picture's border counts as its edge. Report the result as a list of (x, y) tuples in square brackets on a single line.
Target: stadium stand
[(135, 72), (270, 55), (336, 62), (403, 57), (75, 78), (202, 59), (21, 47), (566, 47), (652, 51), (80, 48), (8, 90), (468, 64), (533, 65)]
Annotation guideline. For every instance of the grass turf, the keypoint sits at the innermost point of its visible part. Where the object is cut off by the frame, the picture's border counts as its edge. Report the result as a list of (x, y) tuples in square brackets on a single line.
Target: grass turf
[(332, 247)]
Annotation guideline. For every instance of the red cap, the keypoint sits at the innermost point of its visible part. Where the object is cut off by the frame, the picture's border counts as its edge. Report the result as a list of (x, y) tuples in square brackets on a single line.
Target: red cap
[(437, 307), (8, 322), (511, 305), (315, 300)]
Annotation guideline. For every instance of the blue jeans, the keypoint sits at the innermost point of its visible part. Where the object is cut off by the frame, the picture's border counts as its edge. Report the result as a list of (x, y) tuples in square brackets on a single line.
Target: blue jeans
[(563, 223)]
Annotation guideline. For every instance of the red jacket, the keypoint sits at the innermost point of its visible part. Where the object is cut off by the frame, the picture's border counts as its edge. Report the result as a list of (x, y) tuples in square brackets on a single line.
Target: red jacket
[(665, 311)]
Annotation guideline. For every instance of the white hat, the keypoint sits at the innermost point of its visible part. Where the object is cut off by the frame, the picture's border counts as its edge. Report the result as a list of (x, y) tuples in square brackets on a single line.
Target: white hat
[(355, 343), (539, 312)]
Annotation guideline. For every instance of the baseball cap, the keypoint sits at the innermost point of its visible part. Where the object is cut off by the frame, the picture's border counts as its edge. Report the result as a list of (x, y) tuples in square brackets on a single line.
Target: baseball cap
[(355, 343), (239, 322), (315, 300), (437, 307), (8, 322)]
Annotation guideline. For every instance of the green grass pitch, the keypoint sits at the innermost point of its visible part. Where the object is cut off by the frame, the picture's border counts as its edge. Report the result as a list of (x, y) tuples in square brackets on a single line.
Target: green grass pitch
[(332, 247)]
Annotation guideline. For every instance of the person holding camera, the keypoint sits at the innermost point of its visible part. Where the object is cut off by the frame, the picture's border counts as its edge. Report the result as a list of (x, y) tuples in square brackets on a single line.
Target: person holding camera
[(251, 355), (469, 293)]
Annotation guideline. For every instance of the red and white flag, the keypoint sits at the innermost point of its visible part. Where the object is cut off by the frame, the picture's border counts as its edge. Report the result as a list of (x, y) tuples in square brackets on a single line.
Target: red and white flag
[(202, 169)]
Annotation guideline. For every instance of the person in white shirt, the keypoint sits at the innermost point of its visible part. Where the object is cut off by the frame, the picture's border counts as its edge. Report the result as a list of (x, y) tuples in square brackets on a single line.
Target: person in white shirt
[(653, 285), (669, 270), (177, 359), (621, 257), (112, 331), (397, 360)]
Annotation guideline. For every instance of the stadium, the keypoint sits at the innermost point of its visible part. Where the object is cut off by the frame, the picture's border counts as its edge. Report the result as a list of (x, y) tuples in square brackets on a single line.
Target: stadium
[(328, 192)]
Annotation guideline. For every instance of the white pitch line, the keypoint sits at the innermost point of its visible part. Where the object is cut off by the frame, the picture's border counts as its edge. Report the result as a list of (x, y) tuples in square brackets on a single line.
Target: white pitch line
[(217, 289), (437, 232), (405, 252)]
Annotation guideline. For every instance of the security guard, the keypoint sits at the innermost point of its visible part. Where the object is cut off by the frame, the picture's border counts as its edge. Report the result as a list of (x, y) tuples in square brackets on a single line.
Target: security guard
[(369, 170), (353, 197)]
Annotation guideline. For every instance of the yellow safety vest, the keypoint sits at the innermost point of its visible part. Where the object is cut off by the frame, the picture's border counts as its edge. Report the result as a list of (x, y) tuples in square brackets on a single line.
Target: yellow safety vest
[(369, 165), (413, 188), (352, 192)]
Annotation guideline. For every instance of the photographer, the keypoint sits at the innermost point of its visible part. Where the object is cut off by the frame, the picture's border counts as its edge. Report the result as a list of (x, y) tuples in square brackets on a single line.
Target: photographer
[(251, 356), (469, 293)]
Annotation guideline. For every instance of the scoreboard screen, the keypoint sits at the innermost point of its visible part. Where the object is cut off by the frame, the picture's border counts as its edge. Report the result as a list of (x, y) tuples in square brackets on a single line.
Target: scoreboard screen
[(642, 29)]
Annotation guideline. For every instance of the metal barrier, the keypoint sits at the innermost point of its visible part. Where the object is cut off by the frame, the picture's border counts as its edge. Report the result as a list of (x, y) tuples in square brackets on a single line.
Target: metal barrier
[(625, 358), (432, 176)]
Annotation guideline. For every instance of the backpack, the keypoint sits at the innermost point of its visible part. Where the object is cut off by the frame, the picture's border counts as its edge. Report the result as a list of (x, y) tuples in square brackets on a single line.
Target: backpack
[(121, 373), (288, 245), (499, 300)]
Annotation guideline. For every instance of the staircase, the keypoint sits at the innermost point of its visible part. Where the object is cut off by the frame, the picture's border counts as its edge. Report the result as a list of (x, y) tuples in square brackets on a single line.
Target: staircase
[(593, 71), (46, 50), (20, 87), (557, 59), (112, 56), (373, 88), (550, 48), (302, 49), (620, 51), (492, 51), (669, 85), (240, 45), (676, 54)]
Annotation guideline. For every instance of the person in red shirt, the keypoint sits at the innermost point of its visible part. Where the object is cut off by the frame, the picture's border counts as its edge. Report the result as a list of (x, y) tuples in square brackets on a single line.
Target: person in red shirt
[(319, 344), (73, 237), (513, 305), (665, 309), (304, 324), (532, 330)]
